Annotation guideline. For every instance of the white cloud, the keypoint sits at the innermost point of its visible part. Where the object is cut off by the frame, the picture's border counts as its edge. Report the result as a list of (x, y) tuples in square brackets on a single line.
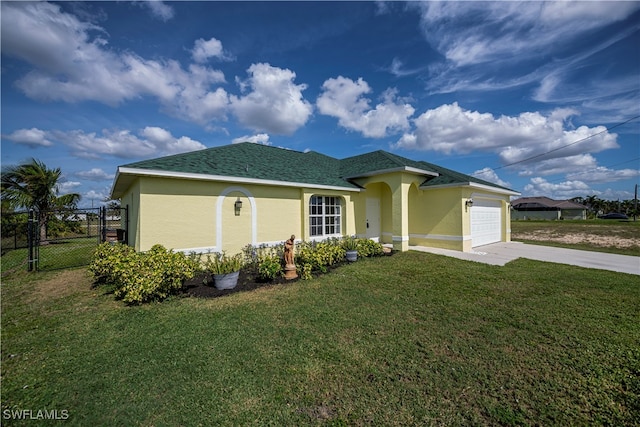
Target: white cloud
[(490, 46), (398, 69), (97, 196), (72, 65), (611, 194), (31, 137), (344, 99), (563, 190), (67, 187), (151, 141), (490, 175), (261, 138), (478, 32), (560, 165), (603, 174), (163, 141), (205, 49), (452, 129), (95, 174), (274, 104), (159, 9), (571, 188)]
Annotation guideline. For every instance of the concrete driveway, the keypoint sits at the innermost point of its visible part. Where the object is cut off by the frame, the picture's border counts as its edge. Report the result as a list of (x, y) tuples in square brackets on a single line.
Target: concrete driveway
[(502, 253)]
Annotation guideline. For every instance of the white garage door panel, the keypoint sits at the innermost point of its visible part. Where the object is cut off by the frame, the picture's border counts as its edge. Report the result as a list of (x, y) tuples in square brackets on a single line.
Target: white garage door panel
[(486, 222)]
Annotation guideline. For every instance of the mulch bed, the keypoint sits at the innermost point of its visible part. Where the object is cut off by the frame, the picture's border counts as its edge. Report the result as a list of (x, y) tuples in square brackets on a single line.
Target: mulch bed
[(201, 286)]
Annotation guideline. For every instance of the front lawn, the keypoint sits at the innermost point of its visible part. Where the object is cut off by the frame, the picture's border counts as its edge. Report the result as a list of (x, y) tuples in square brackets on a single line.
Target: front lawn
[(415, 338)]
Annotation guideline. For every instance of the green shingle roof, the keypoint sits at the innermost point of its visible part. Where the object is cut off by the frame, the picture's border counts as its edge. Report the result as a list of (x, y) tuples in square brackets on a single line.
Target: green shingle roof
[(375, 162), (255, 161), (261, 162), (451, 177)]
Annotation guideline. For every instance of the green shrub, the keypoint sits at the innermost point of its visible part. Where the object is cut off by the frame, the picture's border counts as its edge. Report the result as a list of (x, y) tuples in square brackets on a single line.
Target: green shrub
[(264, 262), (250, 258), (141, 277), (269, 267), (305, 271), (223, 263), (317, 257), (108, 262), (367, 248), (350, 243)]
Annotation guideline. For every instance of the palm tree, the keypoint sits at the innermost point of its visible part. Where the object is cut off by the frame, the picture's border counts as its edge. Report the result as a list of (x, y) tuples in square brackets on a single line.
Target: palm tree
[(595, 204), (34, 186)]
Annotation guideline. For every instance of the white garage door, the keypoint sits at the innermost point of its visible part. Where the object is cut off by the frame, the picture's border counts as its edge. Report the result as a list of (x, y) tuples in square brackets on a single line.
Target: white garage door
[(486, 222)]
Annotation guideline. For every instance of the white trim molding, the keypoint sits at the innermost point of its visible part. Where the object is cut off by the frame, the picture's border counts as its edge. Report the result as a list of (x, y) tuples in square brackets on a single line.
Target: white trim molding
[(222, 178), (440, 237), (472, 185), (202, 250), (407, 169), (254, 213)]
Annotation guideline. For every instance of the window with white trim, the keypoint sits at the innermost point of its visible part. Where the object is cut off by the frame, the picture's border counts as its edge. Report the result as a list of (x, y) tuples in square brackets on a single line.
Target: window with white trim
[(325, 216)]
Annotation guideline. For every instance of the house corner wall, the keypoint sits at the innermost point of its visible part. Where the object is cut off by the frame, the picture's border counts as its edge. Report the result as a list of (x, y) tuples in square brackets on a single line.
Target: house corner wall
[(437, 219), (131, 200)]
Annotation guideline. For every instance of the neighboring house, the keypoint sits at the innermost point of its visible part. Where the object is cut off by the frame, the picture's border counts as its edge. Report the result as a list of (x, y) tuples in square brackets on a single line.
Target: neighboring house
[(546, 208), (226, 197)]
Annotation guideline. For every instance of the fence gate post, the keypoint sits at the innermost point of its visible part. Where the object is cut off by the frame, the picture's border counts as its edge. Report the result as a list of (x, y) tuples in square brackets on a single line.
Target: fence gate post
[(101, 221), (32, 240)]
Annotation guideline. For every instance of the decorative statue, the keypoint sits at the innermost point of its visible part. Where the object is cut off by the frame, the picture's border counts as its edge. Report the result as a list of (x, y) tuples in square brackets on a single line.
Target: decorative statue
[(290, 266)]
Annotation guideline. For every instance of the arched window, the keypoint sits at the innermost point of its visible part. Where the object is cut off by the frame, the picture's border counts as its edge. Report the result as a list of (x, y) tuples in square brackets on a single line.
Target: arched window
[(325, 216)]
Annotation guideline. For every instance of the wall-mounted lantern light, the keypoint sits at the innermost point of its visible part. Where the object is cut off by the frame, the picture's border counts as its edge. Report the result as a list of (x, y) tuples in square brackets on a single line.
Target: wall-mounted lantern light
[(468, 204), (237, 206)]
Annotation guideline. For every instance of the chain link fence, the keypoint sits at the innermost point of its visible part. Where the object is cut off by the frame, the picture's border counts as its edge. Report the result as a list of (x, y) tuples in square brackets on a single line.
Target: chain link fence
[(14, 231), (62, 238)]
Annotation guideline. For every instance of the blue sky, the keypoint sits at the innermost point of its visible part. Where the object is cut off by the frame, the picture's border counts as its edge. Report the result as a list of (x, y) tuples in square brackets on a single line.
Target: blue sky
[(501, 90)]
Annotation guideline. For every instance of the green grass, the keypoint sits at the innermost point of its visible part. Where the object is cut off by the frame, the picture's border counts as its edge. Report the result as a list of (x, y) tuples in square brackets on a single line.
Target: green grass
[(410, 339), (55, 256), (614, 235)]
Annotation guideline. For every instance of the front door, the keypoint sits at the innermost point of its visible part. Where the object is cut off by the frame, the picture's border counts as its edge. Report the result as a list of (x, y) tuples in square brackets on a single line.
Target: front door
[(373, 219)]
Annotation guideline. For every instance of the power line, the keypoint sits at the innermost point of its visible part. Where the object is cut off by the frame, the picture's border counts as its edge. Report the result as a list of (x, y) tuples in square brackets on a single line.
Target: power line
[(596, 168), (568, 145)]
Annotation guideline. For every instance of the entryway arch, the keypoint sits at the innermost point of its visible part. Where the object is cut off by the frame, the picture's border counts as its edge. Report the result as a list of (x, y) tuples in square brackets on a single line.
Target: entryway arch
[(239, 227)]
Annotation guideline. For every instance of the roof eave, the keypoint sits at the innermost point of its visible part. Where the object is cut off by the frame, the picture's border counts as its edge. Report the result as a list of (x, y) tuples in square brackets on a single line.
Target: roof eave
[(406, 169), (475, 185), (115, 193), (219, 178)]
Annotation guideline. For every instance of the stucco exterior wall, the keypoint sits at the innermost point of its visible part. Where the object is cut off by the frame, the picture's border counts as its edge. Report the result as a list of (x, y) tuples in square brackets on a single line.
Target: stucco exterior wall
[(436, 218), (200, 216), (573, 214), (177, 214), (549, 215), (545, 215), (131, 200)]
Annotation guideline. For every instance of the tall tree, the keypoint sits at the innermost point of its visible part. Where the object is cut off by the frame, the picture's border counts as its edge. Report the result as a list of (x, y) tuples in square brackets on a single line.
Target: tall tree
[(595, 204), (34, 186)]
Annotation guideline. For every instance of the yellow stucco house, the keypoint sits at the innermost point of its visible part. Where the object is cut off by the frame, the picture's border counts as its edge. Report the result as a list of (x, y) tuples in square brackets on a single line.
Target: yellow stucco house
[(226, 197)]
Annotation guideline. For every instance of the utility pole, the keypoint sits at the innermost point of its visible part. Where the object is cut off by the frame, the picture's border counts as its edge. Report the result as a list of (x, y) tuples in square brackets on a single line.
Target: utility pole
[(635, 209)]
